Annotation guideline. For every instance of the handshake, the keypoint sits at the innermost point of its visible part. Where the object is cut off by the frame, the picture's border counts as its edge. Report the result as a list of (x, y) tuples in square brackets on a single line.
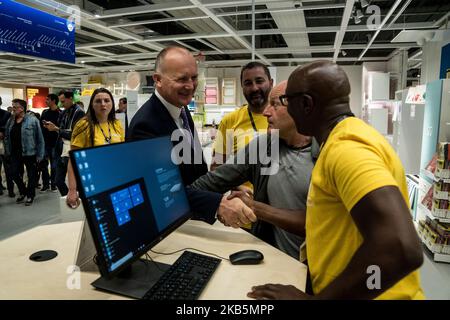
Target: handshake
[(236, 210)]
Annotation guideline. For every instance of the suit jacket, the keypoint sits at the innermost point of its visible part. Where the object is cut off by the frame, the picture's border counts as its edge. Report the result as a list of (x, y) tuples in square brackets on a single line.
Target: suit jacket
[(4, 116), (154, 120)]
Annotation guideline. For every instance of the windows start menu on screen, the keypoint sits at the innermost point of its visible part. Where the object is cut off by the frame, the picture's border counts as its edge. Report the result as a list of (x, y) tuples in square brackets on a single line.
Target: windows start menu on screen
[(125, 221)]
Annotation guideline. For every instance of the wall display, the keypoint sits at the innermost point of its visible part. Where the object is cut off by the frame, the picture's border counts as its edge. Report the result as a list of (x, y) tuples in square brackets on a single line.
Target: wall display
[(229, 91), (132, 104), (416, 95), (28, 31), (36, 97), (211, 91)]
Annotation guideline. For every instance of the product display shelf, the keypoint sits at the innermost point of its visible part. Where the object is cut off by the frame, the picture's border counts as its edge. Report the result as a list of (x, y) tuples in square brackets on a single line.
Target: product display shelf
[(433, 217), (435, 250), (428, 174)]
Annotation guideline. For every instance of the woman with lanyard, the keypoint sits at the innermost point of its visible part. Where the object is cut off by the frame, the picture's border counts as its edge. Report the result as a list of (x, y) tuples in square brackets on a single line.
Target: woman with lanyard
[(98, 127)]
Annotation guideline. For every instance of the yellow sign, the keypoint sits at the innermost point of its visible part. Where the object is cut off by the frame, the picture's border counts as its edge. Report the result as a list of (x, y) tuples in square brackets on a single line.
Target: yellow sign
[(31, 93), (87, 92)]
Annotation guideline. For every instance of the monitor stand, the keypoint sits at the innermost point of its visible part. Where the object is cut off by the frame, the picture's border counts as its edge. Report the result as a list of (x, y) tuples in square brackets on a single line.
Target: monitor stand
[(135, 280)]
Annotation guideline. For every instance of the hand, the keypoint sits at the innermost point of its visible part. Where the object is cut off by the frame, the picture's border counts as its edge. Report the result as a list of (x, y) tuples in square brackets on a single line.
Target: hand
[(245, 189), (50, 126), (244, 196), (72, 199), (277, 292), (234, 213)]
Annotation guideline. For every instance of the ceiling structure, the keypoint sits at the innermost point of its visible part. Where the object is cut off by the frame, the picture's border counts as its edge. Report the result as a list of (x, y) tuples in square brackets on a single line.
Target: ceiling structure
[(122, 36)]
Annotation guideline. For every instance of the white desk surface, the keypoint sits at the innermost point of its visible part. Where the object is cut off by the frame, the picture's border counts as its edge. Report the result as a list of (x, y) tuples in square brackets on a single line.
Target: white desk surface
[(21, 278)]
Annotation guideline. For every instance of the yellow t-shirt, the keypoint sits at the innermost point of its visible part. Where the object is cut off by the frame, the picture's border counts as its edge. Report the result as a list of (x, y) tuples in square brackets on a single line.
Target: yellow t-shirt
[(80, 134), (354, 161), (240, 129)]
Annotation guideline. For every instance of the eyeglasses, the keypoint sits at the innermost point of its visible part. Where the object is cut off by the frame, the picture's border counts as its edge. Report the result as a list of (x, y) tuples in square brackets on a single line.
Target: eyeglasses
[(285, 97), (275, 104)]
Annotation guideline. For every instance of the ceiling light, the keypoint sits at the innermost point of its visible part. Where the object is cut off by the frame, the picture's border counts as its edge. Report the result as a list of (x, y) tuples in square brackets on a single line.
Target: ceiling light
[(364, 3), (97, 13), (83, 61)]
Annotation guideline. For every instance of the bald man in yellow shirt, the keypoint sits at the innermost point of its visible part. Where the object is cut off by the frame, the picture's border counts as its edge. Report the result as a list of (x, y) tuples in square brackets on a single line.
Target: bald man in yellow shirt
[(360, 239)]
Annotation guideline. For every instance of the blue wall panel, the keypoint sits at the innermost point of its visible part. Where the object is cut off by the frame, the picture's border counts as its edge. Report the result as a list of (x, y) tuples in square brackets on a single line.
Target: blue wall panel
[(28, 31), (445, 60)]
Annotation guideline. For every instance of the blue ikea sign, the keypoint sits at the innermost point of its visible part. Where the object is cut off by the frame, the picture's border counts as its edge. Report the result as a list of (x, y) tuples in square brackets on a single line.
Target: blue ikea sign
[(28, 31)]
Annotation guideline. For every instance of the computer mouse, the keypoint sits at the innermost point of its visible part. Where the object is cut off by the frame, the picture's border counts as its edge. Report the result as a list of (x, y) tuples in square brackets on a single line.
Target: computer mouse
[(246, 257)]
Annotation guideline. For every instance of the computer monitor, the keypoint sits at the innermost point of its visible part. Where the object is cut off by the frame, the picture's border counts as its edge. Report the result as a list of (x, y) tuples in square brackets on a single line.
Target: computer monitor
[(133, 197)]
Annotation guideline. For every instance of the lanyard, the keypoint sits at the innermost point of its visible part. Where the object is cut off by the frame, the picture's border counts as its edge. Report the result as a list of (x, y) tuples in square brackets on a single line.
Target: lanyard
[(251, 119), (107, 139)]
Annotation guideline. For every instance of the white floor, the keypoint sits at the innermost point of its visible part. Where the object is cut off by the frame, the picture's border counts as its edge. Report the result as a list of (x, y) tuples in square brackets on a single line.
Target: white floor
[(16, 218)]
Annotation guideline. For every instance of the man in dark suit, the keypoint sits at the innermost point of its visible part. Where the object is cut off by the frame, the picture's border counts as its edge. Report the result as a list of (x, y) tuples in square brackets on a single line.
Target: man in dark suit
[(165, 113)]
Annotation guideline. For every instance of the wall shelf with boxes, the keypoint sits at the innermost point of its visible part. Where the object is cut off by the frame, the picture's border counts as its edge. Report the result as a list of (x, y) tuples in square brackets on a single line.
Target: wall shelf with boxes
[(229, 91), (212, 91), (435, 236)]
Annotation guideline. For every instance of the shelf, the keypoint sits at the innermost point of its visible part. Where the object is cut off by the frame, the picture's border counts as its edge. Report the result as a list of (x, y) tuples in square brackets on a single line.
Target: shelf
[(441, 257), (431, 176), (428, 174), (438, 257), (429, 214)]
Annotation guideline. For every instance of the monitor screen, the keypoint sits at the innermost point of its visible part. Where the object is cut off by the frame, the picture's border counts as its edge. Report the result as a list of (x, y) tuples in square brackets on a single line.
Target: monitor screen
[(133, 196)]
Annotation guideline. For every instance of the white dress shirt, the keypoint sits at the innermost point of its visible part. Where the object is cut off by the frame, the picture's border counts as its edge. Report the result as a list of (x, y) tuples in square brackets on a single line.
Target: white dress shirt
[(174, 111)]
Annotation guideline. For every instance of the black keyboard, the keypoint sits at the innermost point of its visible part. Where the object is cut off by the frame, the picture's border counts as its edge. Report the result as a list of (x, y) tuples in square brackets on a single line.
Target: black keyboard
[(185, 279)]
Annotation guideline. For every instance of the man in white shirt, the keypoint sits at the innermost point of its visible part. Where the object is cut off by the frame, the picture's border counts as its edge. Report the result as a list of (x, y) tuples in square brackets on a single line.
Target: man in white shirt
[(165, 113)]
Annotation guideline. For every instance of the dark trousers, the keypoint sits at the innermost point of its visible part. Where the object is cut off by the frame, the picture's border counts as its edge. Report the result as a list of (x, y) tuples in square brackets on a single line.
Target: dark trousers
[(17, 163), (60, 179), (9, 181), (50, 157)]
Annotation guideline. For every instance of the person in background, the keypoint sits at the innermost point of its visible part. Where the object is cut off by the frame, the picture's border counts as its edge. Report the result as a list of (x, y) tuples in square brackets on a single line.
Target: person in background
[(81, 105), (122, 108), (98, 127), (361, 242), (247, 121), (61, 99), (24, 144), (66, 122), (4, 117), (50, 137)]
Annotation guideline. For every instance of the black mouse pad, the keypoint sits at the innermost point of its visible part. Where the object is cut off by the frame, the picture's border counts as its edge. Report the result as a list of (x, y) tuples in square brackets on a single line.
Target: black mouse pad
[(43, 255)]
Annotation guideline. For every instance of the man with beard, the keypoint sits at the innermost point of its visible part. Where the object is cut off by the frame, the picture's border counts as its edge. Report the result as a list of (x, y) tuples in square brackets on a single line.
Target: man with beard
[(238, 128)]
